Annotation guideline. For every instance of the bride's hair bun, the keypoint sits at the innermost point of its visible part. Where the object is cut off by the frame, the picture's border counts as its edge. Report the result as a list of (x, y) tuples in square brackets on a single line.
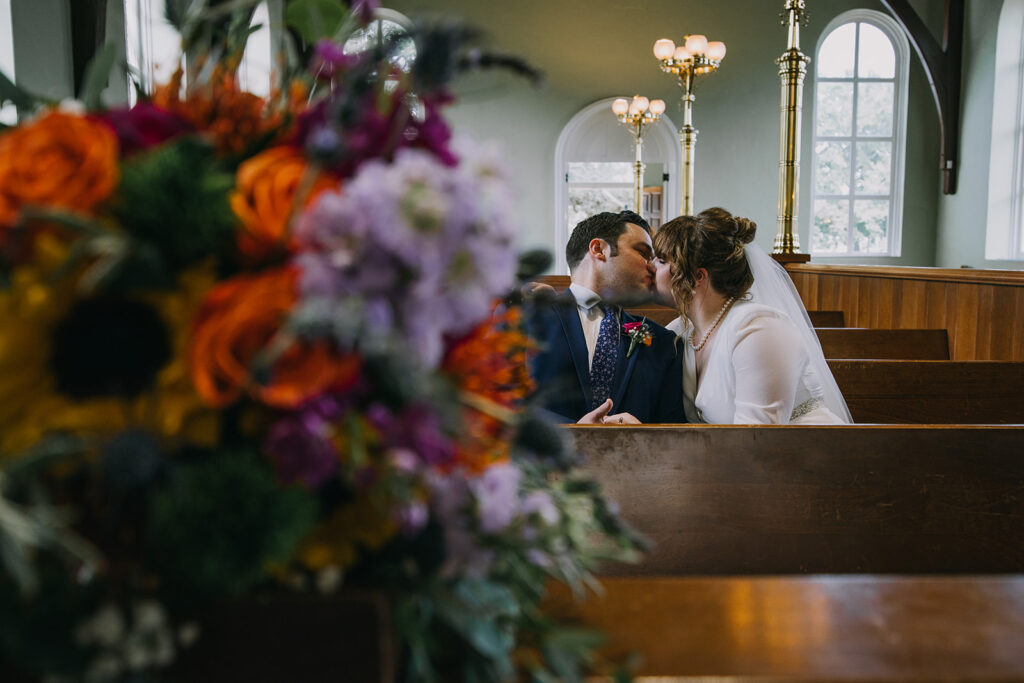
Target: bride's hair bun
[(745, 229)]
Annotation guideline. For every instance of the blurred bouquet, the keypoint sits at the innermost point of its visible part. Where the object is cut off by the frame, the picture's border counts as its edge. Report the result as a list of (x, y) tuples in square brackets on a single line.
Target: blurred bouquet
[(250, 345)]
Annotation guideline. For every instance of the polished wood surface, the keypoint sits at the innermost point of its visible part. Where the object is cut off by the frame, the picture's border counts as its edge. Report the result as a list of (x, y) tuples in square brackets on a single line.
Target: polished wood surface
[(932, 392), (798, 499), (820, 628), (983, 310), (859, 342), (827, 318)]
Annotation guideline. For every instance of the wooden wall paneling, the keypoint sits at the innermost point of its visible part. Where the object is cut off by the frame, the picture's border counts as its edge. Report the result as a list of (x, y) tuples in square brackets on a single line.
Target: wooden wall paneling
[(983, 331), (966, 328), (935, 305), (1013, 325), (911, 311)]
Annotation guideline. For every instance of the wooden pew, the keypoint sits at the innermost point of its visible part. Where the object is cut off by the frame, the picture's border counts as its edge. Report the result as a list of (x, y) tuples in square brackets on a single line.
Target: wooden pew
[(859, 342), (792, 499), (835, 628), (932, 392), (827, 318)]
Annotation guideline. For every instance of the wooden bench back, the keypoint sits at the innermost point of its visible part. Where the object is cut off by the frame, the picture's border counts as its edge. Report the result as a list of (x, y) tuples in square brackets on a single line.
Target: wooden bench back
[(859, 342), (791, 500), (932, 392)]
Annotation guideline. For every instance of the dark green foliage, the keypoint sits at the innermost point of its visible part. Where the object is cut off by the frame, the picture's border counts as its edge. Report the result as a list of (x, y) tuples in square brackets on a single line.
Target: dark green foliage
[(174, 200), (223, 519)]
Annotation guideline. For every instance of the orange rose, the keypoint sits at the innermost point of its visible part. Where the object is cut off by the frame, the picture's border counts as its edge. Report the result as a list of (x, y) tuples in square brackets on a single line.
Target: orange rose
[(268, 186), (239, 321), (59, 160)]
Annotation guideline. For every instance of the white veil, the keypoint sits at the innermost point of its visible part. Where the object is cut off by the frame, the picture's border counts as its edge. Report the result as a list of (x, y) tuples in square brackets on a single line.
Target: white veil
[(773, 287)]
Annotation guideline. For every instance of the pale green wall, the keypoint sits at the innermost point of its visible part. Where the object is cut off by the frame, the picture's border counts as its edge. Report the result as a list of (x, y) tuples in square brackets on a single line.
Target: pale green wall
[(962, 217), (42, 47)]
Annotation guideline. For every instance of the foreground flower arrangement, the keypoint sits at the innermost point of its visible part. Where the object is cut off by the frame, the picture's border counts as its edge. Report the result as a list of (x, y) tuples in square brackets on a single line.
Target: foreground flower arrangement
[(252, 346)]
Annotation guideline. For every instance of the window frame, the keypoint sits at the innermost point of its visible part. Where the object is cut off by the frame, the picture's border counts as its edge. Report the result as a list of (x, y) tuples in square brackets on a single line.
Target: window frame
[(900, 81), (1004, 233), (661, 145), (8, 113)]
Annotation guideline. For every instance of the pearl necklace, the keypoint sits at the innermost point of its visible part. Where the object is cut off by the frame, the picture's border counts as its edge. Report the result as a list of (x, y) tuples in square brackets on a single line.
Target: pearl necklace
[(714, 325)]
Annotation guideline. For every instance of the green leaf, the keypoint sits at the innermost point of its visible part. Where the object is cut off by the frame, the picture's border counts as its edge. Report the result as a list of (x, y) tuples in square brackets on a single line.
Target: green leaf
[(97, 76), (20, 98), (316, 19)]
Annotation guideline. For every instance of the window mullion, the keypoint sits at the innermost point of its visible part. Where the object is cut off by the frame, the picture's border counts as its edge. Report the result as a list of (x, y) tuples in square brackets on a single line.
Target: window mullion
[(853, 141)]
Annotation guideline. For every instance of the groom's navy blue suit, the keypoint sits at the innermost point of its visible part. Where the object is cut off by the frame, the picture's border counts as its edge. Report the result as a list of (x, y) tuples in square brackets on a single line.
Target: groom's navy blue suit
[(648, 384)]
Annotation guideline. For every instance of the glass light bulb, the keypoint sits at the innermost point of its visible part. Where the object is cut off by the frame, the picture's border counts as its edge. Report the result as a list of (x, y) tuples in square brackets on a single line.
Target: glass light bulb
[(641, 102), (620, 106), (633, 110), (716, 50), (681, 53), (696, 44), (657, 107), (664, 48)]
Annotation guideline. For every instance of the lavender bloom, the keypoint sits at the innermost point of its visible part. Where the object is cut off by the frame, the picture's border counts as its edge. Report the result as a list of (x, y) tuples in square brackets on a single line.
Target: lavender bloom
[(417, 430), (300, 444), (428, 243), (412, 517), (540, 502), (497, 496)]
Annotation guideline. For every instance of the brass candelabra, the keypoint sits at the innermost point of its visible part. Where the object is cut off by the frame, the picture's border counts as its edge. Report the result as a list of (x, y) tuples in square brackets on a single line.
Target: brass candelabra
[(695, 57), (792, 69), (637, 114)]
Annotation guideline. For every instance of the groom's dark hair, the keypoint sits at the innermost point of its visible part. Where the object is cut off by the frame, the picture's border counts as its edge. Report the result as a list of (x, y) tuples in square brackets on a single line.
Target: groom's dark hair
[(607, 226)]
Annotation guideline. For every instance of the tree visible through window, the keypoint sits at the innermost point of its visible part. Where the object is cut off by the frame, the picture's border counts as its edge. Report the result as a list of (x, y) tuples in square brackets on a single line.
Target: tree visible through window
[(859, 122), (596, 186)]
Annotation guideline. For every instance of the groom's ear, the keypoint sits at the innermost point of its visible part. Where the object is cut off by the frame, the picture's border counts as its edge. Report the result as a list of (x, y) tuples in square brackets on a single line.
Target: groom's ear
[(596, 248)]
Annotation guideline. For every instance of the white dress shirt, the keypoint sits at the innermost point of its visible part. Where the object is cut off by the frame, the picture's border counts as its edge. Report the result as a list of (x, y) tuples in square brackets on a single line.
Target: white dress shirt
[(591, 316)]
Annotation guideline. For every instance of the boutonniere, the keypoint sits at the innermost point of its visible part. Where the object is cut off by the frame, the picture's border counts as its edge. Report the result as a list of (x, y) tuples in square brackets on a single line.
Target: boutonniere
[(638, 333)]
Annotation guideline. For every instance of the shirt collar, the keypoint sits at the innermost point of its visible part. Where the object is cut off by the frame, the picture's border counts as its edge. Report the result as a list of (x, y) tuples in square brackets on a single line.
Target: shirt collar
[(585, 298)]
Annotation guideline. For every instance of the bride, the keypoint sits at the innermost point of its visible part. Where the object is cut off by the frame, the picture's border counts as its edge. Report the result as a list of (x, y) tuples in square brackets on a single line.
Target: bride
[(751, 354)]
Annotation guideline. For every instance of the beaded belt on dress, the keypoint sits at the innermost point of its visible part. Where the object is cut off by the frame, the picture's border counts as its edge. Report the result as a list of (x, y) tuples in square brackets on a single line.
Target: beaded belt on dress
[(806, 407)]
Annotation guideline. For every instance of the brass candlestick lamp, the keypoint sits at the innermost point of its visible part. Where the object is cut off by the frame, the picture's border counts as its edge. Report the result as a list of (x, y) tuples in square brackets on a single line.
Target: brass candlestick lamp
[(636, 114), (792, 69), (696, 57)]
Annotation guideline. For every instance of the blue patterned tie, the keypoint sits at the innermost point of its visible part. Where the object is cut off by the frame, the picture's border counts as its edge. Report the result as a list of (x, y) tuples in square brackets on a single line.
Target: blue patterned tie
[(602, 369)]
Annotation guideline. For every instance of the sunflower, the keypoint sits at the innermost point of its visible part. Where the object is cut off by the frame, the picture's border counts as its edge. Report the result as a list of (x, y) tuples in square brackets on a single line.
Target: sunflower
[(94, 365)]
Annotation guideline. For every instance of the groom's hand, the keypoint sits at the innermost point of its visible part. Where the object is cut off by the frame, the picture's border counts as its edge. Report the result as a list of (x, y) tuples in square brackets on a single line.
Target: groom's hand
[(621, 419), (597, 415)]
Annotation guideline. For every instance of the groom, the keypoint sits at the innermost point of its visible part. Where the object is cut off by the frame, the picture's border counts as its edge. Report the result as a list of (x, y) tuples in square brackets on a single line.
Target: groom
[(585, 358)]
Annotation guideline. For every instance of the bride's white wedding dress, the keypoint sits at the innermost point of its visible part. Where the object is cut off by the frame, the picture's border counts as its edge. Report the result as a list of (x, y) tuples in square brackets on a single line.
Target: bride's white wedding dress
[(766, 365), (757, 373)]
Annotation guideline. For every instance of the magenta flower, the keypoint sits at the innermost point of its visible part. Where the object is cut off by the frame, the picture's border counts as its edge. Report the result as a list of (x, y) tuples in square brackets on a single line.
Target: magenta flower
[(143, 126), (300, 444)]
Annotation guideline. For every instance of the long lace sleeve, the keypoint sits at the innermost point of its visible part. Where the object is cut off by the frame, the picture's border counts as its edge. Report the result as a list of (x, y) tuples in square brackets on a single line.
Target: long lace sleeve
[(768, 360)]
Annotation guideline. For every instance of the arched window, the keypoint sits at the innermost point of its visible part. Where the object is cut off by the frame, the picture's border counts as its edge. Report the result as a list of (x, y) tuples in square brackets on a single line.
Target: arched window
[(8, 114), (860, 114), (1004, 238), (594, 171), (387, 25)]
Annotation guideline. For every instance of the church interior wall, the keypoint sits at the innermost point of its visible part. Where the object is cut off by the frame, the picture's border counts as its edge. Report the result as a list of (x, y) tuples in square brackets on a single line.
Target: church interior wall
[(595, 49)]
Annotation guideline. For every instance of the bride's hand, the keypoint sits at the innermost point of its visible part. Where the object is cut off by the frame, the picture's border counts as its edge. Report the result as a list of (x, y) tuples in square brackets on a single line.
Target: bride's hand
[(621, 419), (597, 415)]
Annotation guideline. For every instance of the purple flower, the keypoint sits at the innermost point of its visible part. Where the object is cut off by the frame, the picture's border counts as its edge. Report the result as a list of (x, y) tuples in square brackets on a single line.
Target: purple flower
[(417, 430), (329, 59), (429, 243), (300, 444), (540, 503), (364, 9), (497, 496), (412, 517), (143, 126)]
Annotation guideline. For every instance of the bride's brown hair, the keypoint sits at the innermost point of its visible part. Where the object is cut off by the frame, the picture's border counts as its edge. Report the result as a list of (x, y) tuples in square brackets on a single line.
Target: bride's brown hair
[(713, 240)]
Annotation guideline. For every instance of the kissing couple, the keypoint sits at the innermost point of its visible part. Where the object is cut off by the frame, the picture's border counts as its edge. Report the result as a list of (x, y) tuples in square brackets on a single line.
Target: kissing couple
[(742, 351)]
